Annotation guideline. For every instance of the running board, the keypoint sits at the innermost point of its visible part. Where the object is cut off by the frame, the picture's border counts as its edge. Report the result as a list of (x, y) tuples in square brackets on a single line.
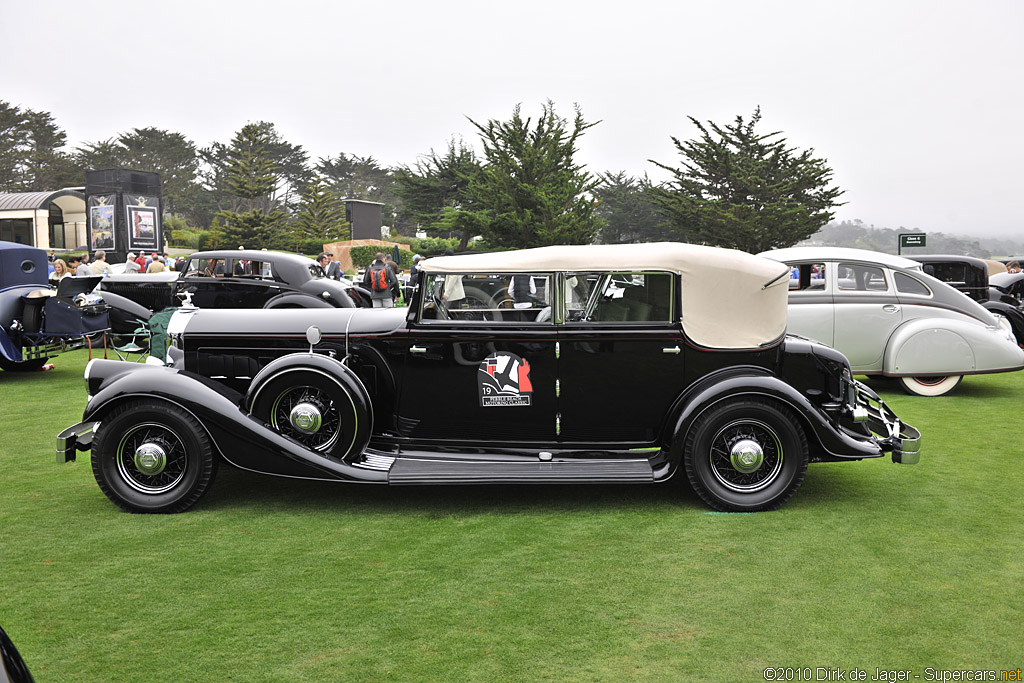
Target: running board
[(445, 471)]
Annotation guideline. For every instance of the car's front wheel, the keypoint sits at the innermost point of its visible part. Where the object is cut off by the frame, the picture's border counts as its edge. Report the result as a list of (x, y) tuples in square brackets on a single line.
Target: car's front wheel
[(936, 385), (152, 457), (746, 455)]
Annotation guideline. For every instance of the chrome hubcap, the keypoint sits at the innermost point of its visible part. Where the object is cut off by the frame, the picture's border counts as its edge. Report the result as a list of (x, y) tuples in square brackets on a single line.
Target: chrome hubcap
[(746, 455), (150, 459), (306, 418)]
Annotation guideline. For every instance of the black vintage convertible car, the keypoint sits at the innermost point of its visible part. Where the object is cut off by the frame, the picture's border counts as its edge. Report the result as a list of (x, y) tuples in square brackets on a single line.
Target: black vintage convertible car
[(228, 279), (636, 365)]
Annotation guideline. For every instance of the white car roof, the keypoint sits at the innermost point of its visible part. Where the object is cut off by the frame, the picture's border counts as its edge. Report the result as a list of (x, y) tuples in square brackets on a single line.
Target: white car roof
[(805, 254), (731, 299)]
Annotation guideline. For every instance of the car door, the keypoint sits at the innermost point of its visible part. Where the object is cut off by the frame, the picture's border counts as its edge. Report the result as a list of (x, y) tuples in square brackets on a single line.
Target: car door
[(867, 311), (620, 357), (476, 371)]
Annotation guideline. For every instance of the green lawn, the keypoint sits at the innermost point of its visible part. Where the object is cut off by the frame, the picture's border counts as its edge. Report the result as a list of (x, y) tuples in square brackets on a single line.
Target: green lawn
[(870, 565)]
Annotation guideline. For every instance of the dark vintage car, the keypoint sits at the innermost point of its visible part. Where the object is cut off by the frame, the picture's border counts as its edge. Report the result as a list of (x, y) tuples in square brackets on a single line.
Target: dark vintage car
[(972, 276), (229, 279), (12, 667), (38, 321), (639, 367)]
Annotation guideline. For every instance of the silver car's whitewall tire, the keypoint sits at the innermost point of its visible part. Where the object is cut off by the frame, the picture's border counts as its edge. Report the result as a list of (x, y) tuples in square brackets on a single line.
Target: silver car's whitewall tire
[(934, 385)]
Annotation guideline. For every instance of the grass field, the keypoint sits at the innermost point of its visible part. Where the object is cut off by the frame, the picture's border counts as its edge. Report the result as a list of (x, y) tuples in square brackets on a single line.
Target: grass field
[(870, 565)]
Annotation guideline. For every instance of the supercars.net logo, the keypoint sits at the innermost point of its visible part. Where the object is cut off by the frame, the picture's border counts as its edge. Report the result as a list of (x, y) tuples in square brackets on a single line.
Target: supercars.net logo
[(504, 381)]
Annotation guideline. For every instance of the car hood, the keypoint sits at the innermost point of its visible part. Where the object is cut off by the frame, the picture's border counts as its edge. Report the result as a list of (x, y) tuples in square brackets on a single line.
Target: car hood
[(333, 322)]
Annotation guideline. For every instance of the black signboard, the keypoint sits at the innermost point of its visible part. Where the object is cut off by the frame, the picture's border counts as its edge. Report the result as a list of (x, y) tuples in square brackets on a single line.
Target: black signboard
[(911, 239)]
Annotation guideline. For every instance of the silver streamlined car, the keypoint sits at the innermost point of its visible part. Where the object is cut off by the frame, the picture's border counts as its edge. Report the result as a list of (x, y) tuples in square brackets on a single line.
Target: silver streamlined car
[(890, 318)]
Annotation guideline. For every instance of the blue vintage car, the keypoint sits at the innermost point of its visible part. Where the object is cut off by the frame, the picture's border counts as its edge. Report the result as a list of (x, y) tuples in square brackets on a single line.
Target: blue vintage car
[(38, 321)]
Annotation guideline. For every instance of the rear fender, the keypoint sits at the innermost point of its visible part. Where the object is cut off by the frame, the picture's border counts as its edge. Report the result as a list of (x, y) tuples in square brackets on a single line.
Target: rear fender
[(297, 299), (929, 346), (242, 440), (825, 439), (129, 309)]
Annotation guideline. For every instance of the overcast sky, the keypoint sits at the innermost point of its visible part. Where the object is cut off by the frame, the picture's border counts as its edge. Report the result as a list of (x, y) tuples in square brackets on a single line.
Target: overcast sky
[(916, 105)]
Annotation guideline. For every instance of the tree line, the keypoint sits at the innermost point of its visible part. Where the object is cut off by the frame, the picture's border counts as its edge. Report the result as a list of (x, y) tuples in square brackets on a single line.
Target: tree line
[(734, 186)]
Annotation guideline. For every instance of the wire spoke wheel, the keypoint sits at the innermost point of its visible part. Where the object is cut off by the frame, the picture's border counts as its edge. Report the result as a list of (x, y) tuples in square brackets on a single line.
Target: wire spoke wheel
[(746, 456), (151, 458), (327, 412), (308, 415)]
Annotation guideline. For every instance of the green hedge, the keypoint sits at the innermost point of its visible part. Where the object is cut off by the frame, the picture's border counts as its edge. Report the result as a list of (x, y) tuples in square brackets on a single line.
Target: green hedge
[(363, 256)]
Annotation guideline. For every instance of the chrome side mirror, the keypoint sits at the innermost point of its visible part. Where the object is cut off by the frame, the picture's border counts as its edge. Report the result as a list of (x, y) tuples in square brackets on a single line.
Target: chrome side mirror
[(313, 336)]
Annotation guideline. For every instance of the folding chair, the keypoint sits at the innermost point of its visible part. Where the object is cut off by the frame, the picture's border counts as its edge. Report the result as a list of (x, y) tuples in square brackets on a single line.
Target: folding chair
[(126, 345)]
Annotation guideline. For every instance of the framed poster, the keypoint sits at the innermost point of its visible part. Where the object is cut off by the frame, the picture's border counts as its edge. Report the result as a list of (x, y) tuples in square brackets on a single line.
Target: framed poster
[(101, 223), (142, 228)]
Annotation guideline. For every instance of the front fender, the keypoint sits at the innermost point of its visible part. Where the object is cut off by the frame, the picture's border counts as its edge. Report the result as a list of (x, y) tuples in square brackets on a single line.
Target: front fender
[(934, 346), (242, 440), (297, 299), (825, 440)]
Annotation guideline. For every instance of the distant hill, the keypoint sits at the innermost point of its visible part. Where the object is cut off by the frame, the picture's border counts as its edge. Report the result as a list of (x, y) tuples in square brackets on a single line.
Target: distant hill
[(857, 234)]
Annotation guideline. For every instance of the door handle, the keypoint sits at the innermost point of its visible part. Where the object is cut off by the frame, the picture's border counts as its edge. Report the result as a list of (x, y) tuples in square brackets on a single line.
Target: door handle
[(417, 349), (891, 308), (674, 349)]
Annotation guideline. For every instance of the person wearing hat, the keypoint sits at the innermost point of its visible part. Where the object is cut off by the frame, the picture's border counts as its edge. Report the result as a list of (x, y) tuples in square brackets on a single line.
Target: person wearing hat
[(131, 265), (414, 271)]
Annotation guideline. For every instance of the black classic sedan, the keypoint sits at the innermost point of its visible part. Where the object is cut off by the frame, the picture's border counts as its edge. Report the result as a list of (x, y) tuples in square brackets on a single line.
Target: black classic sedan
[(978, 278), (229, 279), (589, 364)]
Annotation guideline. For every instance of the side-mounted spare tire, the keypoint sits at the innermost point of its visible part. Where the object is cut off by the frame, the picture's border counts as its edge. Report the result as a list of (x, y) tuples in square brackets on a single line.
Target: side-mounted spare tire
[(316, 401)]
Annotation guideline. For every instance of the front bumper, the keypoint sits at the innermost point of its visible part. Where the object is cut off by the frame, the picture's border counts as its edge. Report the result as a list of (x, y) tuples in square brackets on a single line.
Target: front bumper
[(892, 434), (73, 439)]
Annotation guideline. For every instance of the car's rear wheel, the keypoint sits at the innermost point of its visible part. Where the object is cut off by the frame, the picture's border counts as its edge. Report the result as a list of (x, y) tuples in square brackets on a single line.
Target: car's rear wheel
[(932, 385), (746, 455), (324, 412), (152, 457)]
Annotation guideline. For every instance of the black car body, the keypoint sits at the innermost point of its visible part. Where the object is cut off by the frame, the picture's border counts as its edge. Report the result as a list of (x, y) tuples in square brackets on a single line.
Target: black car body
[(229, 279), (972, 277), (12, 667), (36, 320), (638, 367)]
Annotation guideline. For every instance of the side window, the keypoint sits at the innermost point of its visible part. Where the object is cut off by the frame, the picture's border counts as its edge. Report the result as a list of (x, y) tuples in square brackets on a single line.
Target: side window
[(500, 298), (861, 278), (909, 285), (807, 277), (619, 297)]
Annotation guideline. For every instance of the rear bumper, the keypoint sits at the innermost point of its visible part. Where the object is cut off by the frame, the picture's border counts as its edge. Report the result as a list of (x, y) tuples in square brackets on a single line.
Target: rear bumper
[(891, 433), (73, 439)]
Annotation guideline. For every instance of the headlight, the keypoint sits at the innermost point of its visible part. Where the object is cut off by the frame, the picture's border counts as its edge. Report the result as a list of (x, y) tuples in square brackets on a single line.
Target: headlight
[(1004, 323)]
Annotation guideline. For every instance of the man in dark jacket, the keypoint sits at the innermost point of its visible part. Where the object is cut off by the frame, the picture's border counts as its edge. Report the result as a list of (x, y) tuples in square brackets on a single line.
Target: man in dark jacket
[(380, 280)]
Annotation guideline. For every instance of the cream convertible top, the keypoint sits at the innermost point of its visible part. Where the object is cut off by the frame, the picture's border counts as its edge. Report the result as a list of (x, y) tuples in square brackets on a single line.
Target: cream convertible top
[(725, 302)]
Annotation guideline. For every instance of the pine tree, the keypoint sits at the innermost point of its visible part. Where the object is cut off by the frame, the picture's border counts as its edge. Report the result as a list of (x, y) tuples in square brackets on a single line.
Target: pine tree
[(741, 189), (251, 176), (530, 189), (435, 193), (321, 216)]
